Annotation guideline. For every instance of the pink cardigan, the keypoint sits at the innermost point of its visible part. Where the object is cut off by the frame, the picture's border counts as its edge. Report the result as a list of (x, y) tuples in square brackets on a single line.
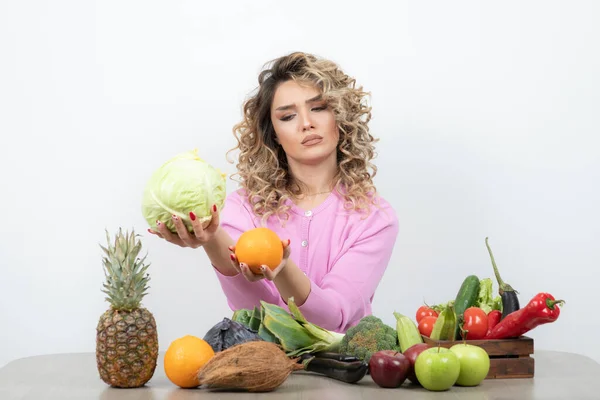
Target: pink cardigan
[(343, 254)]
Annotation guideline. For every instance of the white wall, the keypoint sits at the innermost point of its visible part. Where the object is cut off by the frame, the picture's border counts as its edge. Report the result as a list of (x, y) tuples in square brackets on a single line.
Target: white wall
[(487, 114)]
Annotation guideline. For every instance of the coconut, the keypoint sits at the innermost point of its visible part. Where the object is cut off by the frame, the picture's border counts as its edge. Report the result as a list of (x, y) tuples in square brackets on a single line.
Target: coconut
[(251, 366)]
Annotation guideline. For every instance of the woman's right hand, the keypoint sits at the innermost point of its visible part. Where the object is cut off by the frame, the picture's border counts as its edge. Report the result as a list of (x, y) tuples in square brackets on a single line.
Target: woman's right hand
[(266, 273), (183, 238)]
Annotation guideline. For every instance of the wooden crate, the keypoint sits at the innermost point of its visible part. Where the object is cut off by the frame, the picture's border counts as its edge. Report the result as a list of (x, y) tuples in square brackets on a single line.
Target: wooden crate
[(509, 358)]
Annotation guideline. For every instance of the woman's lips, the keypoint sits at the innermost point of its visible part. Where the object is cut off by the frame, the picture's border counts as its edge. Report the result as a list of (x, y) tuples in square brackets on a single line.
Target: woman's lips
[(311, 140)]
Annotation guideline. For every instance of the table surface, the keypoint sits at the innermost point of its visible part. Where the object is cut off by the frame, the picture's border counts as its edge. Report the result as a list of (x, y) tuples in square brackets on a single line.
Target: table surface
[(558, 375)]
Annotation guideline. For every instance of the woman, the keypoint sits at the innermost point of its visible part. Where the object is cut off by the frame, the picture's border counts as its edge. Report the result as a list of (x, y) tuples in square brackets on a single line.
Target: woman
[(305, 152)]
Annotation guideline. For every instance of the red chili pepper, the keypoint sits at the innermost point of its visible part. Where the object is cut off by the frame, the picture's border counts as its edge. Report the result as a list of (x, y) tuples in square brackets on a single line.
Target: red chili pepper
[(541, 309), (494, 317)]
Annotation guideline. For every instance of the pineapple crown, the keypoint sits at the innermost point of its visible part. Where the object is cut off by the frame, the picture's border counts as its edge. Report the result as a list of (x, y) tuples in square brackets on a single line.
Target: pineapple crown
[(126, 277)]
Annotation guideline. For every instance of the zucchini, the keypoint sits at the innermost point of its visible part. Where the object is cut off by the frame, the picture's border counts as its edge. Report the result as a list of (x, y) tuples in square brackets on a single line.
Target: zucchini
[(408, 333), (445, 324), (465, 298)]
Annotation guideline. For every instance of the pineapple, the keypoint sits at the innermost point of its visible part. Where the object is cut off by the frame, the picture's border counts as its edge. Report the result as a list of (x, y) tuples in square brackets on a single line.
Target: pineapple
[(126, 336)]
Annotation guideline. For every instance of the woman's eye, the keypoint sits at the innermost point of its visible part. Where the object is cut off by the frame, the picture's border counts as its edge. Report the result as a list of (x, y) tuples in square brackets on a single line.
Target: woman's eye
[(320, 108), (286, 117)]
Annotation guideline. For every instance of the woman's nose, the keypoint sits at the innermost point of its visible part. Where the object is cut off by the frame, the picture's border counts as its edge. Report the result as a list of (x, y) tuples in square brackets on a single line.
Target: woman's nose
[(306, 121)]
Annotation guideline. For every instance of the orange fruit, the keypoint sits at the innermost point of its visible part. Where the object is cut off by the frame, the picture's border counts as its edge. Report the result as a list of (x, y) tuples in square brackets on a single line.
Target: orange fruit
[(184, 358), (259, 246)]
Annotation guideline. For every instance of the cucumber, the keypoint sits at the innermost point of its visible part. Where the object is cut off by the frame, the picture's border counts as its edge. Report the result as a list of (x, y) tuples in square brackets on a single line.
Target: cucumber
[(445, 324), (465, 298), (408, 333)]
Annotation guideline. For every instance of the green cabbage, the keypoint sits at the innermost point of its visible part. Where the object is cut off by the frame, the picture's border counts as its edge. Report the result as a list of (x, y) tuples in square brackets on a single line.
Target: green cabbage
[(182, 184)]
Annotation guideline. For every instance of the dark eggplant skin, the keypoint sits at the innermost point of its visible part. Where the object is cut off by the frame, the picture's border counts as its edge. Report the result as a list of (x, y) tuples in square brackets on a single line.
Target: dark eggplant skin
[(336, 356), (510, 303), (340, 367), (509, 296)]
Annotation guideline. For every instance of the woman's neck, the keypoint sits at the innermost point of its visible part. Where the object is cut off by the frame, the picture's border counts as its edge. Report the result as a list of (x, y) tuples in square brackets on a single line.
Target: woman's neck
[(315, 180)]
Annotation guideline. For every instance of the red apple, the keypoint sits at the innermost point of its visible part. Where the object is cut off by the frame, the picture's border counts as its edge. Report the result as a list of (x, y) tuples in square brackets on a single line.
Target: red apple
[(411, 354), (389, 368)]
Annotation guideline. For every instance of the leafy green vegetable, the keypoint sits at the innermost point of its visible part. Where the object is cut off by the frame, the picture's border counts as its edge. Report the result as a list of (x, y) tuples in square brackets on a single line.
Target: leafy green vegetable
[(242, 316), (440, 307), (485, 299), (497, 303), (255, 319), (290, 329), (182, 184)]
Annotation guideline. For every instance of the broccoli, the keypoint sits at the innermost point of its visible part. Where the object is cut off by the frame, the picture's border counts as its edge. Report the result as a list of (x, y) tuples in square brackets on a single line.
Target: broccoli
[(367, 337)]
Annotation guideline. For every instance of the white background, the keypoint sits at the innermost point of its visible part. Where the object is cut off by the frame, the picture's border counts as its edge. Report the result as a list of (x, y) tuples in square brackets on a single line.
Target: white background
[(488, 115)]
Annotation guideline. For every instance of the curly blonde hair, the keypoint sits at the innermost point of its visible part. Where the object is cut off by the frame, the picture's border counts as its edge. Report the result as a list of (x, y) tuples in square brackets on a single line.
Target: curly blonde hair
[(262, 163)]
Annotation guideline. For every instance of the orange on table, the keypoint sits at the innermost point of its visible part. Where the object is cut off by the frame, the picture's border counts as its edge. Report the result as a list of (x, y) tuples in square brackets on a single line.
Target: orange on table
[(184, 358), (259, 246)]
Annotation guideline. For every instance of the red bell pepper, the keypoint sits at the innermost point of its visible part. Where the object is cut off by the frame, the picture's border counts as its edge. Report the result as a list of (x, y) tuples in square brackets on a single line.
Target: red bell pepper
[(494, 318), (541, 309)]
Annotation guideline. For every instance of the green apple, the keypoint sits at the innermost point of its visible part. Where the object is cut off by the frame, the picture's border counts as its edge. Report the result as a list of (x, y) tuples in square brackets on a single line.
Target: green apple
[(437, 368), (474, 364)]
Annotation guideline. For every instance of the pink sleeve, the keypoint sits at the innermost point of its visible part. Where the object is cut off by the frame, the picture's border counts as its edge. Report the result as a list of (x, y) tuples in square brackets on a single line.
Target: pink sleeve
[(344, 295), (235, 219)]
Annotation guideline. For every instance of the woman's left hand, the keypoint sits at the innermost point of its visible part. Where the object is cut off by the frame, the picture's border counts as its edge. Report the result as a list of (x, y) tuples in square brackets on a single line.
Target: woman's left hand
[(267, 273)]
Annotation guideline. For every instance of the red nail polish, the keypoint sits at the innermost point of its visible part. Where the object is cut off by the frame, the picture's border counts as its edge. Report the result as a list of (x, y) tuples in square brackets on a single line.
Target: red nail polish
[(232, 257), (192, 216), (289, 241), (150, 230), (214, 208)]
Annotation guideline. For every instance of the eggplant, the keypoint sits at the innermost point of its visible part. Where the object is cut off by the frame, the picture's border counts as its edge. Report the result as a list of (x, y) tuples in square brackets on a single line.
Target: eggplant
[(331, 356), (340, 367), (510, 298), (510, 302)]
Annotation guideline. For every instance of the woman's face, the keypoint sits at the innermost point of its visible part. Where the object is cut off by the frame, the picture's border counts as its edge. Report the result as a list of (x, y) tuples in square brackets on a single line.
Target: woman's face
[(304, 125)]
